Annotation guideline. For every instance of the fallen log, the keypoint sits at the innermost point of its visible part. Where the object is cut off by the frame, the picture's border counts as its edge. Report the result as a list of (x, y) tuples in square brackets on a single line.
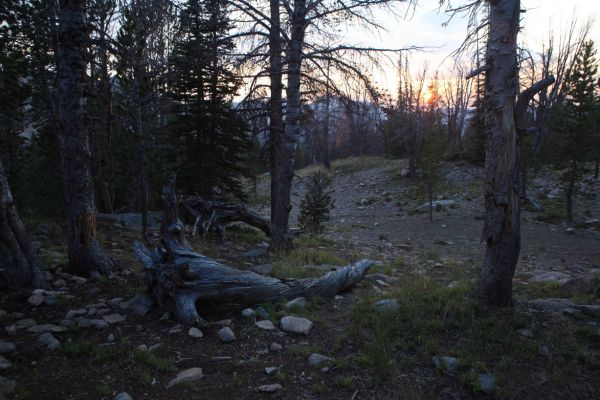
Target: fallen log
[(179, 278), (213, 216)]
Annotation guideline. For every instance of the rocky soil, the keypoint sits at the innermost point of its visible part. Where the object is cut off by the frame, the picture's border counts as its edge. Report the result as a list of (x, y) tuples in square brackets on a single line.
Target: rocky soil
[(100, 339)]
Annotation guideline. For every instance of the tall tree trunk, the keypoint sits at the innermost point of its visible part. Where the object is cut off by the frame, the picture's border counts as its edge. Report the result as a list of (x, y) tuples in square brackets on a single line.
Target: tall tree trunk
[(597, 169), (20, 266), (279, 238), (571, 189), (326, 161), (142, 159), (85, 253), (285, 152), (502, 231)]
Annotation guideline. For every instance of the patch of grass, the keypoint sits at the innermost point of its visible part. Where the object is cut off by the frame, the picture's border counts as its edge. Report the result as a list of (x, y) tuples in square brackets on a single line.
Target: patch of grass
[(554, 211), (345, 382), (536, 290), (149, 359), (356, 164), (78, 347), (246, 234), (103, 390), (292, 264), (280, 376), (383, 268), (433, 319), (143, 376), (22, 393), (313, 241), (303, 350)]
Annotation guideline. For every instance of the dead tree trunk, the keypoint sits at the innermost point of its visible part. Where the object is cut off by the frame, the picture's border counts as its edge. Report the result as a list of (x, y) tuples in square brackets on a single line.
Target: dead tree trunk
[(278, 211), (502, 231), (20, 266), (213, 216), (179, 278), (85, 253), (503, 124)]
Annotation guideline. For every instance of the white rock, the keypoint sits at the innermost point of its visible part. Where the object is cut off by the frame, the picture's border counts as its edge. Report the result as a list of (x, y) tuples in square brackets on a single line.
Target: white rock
[(123, 396), (275, 347), (47, 328), (273, 387), (316, 359), (36, 299), (270, 370), (265, 324), (299, 303), (189, 375), (226, 335), (113, 318), (99, 323), (49, 341), (298, 325), (195, 332), (445, 363), (248, 313)]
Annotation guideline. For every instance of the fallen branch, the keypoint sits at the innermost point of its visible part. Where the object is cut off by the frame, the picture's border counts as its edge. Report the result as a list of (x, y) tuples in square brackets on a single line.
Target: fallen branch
[(179, 277), (213, 216)]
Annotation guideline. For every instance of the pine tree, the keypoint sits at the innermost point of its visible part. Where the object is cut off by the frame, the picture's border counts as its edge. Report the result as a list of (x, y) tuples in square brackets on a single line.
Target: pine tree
[(316, 204), (576, 119), (209, 138)]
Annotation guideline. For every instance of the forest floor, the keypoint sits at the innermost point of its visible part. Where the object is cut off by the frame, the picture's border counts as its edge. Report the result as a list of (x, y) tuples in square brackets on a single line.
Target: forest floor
[(546, 346)]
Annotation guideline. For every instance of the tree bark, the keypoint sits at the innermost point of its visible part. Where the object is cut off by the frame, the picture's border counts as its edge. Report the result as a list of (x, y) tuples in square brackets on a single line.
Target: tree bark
[(326, 160), (20, 265), (179, 277), (278, 211), (501, 231), (85, 253), (286, 150)]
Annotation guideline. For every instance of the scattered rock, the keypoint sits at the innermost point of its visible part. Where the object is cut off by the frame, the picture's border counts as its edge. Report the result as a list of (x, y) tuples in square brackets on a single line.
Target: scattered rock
[(123, 396), (552, 305), (226, 335), (544, 351), (299, 303), (47, 328), (113, 318), (142, 347), (111, 338), (298, 325), (59, 283), (275, 347), (140, 304), (24, 323), (539, 276), (314, 360), (386, 305), (71, 314), (378, 277), (445, 363), (271, 370), (99, 323), (195, 332), (265, 324), (272, 387), (263, 269), (4, 363), (248, 313), (189, 375), (7, 347), (36, 299), (49, 341), (406, 247), (570, 231), (487, 382), (525, 333), (338, 297)]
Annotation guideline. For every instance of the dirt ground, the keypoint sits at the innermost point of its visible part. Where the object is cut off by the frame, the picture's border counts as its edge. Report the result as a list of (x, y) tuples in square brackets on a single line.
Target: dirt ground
[(376, 216)]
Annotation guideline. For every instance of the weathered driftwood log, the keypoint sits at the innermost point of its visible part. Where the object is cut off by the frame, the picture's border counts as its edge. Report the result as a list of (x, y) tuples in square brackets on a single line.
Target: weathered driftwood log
[(213, 216), (179, 278)]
